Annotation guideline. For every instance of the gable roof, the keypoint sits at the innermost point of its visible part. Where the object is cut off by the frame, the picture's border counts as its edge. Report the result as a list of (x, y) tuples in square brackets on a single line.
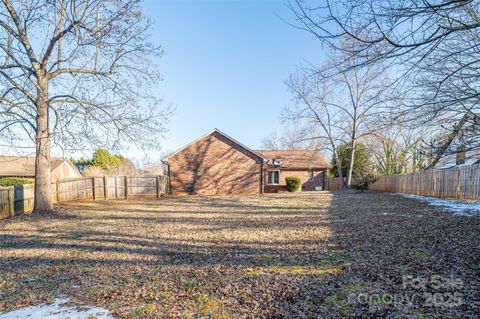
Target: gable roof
[(24, 165), (299, 159), (210, 133), (472, 157)]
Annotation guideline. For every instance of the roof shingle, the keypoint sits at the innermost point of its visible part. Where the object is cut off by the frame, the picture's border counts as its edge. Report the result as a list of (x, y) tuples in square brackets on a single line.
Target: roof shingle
[(300, 159), (23, 165)]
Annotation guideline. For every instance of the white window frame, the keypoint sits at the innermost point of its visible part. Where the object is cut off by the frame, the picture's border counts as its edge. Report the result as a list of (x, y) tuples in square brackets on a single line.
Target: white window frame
[(273, 177)]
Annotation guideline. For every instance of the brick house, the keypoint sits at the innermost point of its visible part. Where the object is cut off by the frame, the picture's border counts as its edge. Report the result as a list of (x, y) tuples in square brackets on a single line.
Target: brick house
[(216, 164)]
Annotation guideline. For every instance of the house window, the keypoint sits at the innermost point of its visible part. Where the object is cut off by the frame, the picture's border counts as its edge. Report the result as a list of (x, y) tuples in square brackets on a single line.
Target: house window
[(273, 177)]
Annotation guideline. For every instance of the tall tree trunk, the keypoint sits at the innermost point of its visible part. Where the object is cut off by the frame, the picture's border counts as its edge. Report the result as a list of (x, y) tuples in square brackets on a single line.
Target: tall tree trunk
[(339, 168), (43, 192), (350, 164)]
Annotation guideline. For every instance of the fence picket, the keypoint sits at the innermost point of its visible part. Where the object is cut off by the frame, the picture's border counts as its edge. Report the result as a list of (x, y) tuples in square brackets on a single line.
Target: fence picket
[(461, 182), (19, 199)]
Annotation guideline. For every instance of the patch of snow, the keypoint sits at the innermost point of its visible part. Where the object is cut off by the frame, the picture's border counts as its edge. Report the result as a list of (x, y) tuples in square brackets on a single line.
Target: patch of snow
[(457, 207), (60, 309), (403, 215)]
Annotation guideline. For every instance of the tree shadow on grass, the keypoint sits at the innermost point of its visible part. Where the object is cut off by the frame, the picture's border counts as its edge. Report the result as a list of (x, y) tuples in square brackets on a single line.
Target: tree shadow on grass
[(85, 233), (238, 255), (248, 250), (388, 237)]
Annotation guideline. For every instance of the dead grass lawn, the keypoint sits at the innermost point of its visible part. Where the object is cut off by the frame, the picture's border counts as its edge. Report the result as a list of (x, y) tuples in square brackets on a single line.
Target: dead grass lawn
[(271, 256)]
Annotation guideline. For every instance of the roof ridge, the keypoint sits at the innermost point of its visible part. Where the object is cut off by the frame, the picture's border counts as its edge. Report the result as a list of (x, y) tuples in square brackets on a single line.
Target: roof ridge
[(296, 150), (30, 156), (215, 130)]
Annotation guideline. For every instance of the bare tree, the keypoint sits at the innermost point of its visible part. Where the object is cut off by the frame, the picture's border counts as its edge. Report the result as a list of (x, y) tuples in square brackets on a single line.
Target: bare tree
[(431, 45), (272, 142), (396, 149), (297, 138), (400, 30), (311, 109), (444, 95), (340, 109), (76, 72)]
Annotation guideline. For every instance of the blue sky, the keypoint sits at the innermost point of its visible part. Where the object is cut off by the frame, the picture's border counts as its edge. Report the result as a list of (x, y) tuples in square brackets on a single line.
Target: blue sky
[(225, 66)]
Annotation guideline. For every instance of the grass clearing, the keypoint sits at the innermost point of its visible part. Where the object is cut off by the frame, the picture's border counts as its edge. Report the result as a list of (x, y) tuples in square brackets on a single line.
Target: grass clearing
[(298, 255)]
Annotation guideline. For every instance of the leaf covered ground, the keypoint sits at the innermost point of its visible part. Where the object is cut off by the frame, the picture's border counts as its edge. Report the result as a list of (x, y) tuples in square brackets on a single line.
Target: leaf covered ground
[(306, 255)]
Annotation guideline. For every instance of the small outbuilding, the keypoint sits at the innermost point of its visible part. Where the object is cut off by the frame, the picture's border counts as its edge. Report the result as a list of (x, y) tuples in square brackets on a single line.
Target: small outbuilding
[(24, 166), (216, 164)]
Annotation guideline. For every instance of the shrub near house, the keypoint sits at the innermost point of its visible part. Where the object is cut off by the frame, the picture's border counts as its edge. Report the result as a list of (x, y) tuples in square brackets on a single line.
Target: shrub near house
[(293, 183)]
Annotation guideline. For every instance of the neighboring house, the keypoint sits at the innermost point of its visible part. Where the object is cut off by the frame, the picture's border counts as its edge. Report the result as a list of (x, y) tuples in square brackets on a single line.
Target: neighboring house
[(216, 164), (23, 166), (458, 159)]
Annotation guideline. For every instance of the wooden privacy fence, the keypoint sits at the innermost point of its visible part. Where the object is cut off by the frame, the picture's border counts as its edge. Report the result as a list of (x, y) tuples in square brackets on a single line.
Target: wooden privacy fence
[(334, 183), (461, 182), (18, 199), (15, 200), (109, 187)]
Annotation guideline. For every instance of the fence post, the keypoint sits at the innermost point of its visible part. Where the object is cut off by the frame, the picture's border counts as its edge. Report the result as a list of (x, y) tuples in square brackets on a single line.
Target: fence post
[(105, 186), (94, 195), (158, 186), (457, 183), (126, 186), (11, 200), (116, 188), (57, 188)]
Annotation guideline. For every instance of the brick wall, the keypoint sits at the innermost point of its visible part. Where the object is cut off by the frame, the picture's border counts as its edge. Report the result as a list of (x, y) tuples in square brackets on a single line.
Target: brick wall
[(215, 165), (307, 185)]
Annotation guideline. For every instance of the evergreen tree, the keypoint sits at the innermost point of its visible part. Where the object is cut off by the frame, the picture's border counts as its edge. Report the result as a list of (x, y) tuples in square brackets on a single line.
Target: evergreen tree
[(104, 159), (362, 165)]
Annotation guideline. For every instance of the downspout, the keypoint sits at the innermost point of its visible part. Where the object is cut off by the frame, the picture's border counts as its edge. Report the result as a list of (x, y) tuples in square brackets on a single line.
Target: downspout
[(169, 178), (262, 175), (325, 178), (261, 178)]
